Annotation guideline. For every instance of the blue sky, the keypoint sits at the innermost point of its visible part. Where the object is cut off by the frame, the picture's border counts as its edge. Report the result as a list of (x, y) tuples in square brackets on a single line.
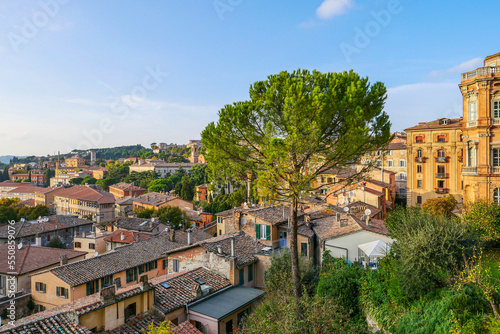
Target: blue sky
[(80, 74)]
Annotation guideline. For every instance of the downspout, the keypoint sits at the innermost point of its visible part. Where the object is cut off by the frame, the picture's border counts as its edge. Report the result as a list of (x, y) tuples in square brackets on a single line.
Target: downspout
[(346, 250)]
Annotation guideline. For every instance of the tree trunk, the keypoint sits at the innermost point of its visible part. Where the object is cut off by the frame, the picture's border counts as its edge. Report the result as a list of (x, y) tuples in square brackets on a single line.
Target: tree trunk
[(297, 287), (494, 306)]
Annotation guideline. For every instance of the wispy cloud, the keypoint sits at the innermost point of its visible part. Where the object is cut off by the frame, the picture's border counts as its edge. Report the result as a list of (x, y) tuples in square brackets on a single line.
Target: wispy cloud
[(468, 65), (331, 8)]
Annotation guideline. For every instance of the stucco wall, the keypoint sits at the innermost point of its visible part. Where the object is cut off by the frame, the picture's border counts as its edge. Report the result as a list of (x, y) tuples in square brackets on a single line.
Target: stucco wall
[(351, 242)]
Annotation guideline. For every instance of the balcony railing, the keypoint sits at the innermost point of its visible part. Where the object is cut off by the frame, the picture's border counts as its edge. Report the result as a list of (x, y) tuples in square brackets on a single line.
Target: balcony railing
[(469, 170), (442, 175), (496, 170), (441, 190), (471, 124), (481, 71), (420, 159), (495, 121), (442, 159)]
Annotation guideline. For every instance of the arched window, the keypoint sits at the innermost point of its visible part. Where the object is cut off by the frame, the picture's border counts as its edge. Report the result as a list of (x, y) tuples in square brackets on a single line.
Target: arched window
[(496, 195)]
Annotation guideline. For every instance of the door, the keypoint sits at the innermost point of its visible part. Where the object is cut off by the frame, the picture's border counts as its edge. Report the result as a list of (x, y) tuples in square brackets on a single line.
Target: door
[(282, 235), (229, 326)]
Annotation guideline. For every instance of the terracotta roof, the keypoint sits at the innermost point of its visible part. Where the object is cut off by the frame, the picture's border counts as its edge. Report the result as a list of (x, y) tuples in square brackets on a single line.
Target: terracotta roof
[(360, 207), (123, 258), (179, 290), (452, 123), (379, 183), (85, 193), (396, 146), (305, 231), (136, 224), (24, 190), (245, 245), (57, 222), (31, 258), (126, 186), (58, 323), (274, 215), (373, 191), (28, 202), (128, 237), (329, 228), (126, 200), (47, 190), (186, 328), (138, 324), (154, 198), (232, 211)]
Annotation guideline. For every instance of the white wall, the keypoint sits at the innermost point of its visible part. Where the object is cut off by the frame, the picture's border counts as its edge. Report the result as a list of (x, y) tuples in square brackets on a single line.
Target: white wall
[(351, 243)]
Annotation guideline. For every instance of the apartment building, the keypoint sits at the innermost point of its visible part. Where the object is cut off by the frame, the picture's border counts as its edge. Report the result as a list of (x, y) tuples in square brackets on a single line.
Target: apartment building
[(85, 201), (123, 189), (74, 161)]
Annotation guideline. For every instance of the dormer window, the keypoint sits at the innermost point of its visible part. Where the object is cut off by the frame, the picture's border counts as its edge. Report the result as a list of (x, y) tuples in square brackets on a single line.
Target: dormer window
[(444, 121)]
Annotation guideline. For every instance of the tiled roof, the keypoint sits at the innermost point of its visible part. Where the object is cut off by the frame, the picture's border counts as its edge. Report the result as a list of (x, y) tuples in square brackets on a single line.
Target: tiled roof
[(452, 123), (85, 193), (28, 202), (232, 211), (305, 231), (154, 198), (186, 328), (396, 146), (126, 200), (24, 190), (360, 207), (181, 288), (136, 325), (374, 192), (136, 224), (123, 258), (126, 186), (128, 237), (58, 323), (27, 228), (379, 183), (341, 173), (245, 245), (47, 190), (274, 215), (31, 258), (329, 228)]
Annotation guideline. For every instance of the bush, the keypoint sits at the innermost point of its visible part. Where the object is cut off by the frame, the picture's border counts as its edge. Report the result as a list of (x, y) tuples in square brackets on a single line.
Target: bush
[(56, 243), (483, 218)]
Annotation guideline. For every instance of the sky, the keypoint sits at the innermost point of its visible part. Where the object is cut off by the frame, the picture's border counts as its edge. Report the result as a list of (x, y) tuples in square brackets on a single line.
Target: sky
[(84, 74)]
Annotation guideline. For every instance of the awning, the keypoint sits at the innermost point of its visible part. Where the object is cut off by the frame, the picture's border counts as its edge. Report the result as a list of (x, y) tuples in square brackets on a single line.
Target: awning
[(375, 248)]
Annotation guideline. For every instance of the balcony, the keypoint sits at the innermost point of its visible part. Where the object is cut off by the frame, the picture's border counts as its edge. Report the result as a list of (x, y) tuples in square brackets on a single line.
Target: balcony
[(495, 121), (471, 124), (441, 190), (441, 175), (420, 159), (442, 159), (495, 170), (481, 71), (469, 170)]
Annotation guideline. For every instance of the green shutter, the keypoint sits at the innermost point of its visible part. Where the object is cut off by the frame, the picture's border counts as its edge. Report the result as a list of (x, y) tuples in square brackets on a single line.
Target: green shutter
[(58, 291), (96, 285), (257, 231), (88, 289), (268, 232), (135, 274)]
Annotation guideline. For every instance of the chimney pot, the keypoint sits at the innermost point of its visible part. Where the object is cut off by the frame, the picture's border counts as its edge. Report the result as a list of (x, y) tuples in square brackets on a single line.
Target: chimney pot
[(63, 260), (122, 236), (171, 234), (190, 237), (233, 247), (219, 249)]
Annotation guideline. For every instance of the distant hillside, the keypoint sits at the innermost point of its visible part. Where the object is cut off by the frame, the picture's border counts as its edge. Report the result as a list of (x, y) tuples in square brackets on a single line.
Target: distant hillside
[(6, 158)]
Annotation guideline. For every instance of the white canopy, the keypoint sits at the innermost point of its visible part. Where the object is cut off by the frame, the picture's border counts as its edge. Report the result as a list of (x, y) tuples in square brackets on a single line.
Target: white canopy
[(375, 248)]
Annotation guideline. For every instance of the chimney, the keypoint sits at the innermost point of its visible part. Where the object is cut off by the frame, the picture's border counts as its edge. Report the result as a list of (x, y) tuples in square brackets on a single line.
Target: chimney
[(122, 236), (219, 249), (38, 240), (307, 218), (108, 294), (367, 220), (196, 291), (171, 234), (233, 247), (143, 282), (64, 260), (190, 237)]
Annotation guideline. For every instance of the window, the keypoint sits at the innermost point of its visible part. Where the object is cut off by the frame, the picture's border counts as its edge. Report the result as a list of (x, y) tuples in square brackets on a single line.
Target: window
[(78, 244), (242, 276), (402, 176), (419, 199), (419, 168), (92, 287), (61, 292), (403, 152), (389, 163), (440, 184), (378, 163), (419, 153), (262, 232), (419, 183), (402, 163), (496, 157), (176, 265), (39, 308), (472, 111), (131, 275), (441, 139), (419, 139), (379, 152), (164, 264), (106, 281), (329, 180), (91, 246), (471, 155), (40, 287), (496, 195), (250, 272), (303, 249), (441, 154), (496, 109), (389, 153)]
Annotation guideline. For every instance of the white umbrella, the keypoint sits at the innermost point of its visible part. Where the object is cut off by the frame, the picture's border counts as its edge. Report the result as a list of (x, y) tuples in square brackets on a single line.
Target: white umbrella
[(376, 248)]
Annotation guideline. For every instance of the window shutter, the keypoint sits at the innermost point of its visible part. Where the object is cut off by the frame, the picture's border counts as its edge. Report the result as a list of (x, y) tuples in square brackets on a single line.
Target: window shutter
[(58, 291), (268, 232), (96, 285), (135, 274), (88, 289), (66, 293), (257, 231)]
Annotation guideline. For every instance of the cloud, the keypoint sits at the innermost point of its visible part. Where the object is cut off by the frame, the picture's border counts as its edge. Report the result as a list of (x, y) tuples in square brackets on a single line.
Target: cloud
[(310, 24), (331, 8), (466, 66)]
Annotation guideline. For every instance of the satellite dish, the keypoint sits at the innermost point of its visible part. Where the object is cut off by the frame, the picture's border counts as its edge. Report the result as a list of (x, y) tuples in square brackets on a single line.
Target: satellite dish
[(346, 209), (20, 245), (96, 254), (368, 212)]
